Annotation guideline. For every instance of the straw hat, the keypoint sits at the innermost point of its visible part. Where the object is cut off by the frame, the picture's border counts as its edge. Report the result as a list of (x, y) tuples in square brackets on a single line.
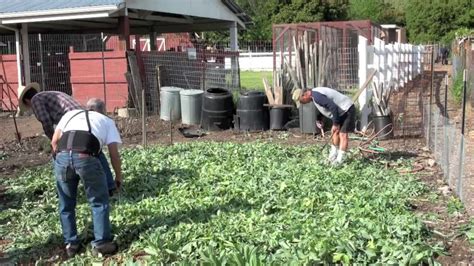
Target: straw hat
[(296, 97), (33, 85)]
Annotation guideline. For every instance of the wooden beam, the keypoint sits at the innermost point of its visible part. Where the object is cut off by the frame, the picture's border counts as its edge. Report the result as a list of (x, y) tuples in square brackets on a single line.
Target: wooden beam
[(182, 27), (148, 16)]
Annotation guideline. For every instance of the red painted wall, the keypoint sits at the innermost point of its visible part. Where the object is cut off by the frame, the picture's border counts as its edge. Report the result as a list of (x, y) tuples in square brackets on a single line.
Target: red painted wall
[(9, 73), (87, 80)]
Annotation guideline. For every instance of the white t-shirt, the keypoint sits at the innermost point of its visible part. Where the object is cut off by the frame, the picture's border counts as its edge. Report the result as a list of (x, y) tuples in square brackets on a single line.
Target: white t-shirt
[(102, 127)]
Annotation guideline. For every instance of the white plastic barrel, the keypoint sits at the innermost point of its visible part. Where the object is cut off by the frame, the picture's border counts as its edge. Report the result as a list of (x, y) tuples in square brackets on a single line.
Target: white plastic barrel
[(191, 104)]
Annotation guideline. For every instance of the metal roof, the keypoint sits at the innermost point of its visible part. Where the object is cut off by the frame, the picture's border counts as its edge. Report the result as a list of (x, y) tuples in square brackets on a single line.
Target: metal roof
[(14, 6), (79, 16), (238, 11)]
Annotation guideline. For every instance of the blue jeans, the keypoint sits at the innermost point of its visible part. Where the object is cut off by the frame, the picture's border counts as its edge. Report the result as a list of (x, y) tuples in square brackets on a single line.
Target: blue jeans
[(69, 168), (108, 172)]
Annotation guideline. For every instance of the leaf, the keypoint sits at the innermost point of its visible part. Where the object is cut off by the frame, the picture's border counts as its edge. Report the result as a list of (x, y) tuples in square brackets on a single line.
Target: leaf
[(151, 251)]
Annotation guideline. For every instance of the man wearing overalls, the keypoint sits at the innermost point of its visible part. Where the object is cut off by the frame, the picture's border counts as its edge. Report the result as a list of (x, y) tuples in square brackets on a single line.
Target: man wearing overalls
[(78, 140)]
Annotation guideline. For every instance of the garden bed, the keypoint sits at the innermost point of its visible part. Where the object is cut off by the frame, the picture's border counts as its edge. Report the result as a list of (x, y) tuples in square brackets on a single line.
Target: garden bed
[(231, 202)]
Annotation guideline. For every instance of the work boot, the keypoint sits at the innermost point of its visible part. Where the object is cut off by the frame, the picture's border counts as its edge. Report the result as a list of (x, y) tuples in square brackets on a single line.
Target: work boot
[(72, 250), (108, 248), (332, 154)]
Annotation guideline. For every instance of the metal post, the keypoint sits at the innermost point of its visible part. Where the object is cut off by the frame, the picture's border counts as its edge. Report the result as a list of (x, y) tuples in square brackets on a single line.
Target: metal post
[(463, 124), (43, 85), (435, 140), (144, 140), (234, 47), (428, 138), (103, 68), (18, 57), (446, 138), (453, 133), (26, 53), (158, 86)]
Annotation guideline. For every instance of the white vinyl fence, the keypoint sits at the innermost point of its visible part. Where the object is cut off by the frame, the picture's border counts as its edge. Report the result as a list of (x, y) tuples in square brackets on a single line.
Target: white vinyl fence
[(395, 65)]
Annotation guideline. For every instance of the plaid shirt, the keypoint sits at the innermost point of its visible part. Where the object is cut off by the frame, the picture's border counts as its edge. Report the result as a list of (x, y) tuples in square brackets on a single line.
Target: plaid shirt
[(50, 106)]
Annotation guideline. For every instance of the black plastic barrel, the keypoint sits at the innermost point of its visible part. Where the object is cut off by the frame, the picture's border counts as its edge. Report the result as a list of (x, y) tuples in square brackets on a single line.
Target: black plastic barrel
[(383, 126), (217, 109), (251, 114), (279, 117)]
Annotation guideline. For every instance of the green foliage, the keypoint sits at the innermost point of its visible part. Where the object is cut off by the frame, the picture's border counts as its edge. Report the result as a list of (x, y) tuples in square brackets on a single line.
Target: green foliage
[(426, 21), (3, 155), (266, 13), (236, 204), (457, 88), (432, 22), (455, 206), (469, 232), (311, 11), (261, 13), (378, 11)]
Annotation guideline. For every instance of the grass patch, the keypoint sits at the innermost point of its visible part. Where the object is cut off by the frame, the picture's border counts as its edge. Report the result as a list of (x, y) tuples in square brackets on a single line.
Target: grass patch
[(457, 88), (252, 80)]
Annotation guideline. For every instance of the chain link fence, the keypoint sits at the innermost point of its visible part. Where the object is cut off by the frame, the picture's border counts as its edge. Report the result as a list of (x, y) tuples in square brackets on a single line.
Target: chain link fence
[(452, 150), (448, 128), (93, 65), (192, 69)]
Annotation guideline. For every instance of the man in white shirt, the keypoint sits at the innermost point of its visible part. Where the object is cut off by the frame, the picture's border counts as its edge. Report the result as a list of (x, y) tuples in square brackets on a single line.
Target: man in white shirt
[(78, 140)]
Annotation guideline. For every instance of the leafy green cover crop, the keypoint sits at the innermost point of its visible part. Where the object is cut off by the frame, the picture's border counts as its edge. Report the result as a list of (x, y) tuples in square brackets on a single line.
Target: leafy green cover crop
[(216, 203)]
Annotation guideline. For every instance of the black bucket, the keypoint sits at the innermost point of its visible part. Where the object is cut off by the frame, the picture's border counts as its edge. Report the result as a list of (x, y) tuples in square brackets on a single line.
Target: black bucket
[(279, 116), (385, 123)]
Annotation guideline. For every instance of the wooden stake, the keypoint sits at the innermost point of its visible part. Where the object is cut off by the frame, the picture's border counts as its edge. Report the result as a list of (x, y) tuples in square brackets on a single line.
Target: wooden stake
[(306, 59), (268, 91), (366, 83), (294, 79)]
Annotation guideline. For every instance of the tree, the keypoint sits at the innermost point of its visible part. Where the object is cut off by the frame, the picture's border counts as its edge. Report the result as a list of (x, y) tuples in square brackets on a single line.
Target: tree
[(378, 11), (310, 11), (266, 12), (437, 21)]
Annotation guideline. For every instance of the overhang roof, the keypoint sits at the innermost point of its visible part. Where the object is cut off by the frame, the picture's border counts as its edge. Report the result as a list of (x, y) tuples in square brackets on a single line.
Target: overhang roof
[(88, 16), (16, 6)]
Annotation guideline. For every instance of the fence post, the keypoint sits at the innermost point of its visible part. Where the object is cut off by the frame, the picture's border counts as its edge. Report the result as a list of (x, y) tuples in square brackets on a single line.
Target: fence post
[(389, 78), (102, 48), (396, 65), (463, 124), (365, 96), (446, 139), (410, 62), (43, 85), (428, 140), (382, 63), (407, 65), (420, 49), (402, 65), (435, 140)]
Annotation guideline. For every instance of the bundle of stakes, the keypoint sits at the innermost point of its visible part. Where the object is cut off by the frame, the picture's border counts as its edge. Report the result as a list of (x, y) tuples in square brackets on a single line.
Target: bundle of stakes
[(298, 70)]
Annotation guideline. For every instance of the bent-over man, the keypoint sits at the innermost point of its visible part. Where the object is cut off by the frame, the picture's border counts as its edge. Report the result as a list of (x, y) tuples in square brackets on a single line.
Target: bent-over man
[(49, 107), (78, 141), (340, 109)]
